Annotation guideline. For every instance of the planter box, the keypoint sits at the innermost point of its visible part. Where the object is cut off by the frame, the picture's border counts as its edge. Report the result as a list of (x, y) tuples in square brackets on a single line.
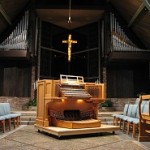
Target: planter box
[(29, 108), (107, 109)]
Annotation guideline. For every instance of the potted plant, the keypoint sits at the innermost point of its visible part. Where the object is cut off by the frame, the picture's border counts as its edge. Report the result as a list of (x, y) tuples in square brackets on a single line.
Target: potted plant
[(107, 106), (31, 105)]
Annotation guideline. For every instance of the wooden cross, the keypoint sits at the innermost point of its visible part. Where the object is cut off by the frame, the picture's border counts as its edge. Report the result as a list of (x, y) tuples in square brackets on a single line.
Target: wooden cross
[(70, 42)]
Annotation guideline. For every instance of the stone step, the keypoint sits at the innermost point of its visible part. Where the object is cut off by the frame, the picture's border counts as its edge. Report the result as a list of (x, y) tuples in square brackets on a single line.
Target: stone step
[(108, 114), (106, 120), (29, 117), (27, 122), (106, 117), (29, 108), (28, 113)]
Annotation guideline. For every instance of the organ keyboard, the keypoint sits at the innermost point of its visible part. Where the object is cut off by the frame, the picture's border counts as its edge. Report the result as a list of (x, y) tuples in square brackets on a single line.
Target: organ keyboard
[(75, 93)]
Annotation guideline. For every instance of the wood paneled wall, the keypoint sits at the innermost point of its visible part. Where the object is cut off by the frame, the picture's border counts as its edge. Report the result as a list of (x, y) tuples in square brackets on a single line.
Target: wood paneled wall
[(127, 80), (15, 81)]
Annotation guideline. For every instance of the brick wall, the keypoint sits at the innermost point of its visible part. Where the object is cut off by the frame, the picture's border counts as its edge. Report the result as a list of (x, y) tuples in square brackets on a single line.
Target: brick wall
[(118, 103), (16, 103)]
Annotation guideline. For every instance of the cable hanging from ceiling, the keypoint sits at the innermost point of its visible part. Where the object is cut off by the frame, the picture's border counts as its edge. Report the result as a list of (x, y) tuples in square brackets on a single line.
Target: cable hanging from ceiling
[(69, 18), (69, 41)]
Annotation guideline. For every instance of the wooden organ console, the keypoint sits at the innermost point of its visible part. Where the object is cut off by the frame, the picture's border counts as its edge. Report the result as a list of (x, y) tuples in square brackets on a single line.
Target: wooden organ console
[(69, 106), (68, 102)]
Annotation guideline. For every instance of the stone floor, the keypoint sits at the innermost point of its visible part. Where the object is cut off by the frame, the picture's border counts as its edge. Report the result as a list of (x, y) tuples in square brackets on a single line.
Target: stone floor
[(26, 137)]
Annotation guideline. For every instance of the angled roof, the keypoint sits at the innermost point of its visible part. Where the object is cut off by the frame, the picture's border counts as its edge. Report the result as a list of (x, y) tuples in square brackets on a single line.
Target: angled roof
[(136, 13)]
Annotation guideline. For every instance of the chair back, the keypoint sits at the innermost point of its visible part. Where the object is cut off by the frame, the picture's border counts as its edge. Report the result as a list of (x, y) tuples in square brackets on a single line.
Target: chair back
[(137, 100), (125, 110), (134, 110), (146, 108), (4, 109), (7, 108), (129, 110)]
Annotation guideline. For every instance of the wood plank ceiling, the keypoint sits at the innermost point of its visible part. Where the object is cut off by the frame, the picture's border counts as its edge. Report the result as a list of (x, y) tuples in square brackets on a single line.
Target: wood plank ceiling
[(136, 14), (9, 11)]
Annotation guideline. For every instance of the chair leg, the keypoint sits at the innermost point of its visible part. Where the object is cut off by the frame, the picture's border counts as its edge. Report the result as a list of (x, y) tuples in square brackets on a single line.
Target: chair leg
[(114, 120), (9, 124), (124, 125), (120, 123), (18, 120), (117, 120), (128, 127), (3, 125), (134, 130), (14, 122)]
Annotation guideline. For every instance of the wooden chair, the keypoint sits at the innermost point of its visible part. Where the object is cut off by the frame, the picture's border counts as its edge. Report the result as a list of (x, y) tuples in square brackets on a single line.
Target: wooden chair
[(116, 117), (144, 120), (133, 122), (7, 117), (123, 119)]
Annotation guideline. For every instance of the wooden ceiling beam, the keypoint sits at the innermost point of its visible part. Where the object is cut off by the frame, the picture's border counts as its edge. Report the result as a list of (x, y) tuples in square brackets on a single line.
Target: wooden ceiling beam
[(77, 4), (147, 4), (136, 15), (12, 54), (4, 14), (144, 7)]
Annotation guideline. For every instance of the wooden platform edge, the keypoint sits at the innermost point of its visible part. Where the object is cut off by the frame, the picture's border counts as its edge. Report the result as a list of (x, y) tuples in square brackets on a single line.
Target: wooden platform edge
[(58, 131)]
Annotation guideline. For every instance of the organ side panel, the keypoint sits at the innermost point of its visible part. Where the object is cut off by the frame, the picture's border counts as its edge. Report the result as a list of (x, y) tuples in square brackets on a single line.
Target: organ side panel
[(44, 93), (98, 95), (96, 90)]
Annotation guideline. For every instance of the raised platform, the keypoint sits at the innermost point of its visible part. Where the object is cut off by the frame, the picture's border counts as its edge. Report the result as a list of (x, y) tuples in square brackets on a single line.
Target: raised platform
[(90, 123), (58, 131)]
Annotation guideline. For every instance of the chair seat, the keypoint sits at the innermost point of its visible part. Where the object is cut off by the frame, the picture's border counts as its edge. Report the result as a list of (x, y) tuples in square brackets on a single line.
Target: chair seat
[(119, 115), (133, 120), (115, 115), (2, 118), (123, 117), (9, 116)]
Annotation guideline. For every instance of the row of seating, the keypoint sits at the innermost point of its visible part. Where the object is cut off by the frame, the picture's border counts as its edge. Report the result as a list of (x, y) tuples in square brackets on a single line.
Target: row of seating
[(6, 116), (129, 119)]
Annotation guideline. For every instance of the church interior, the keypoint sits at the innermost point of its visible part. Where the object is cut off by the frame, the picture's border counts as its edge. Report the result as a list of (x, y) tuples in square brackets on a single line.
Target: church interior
[(112, 44), (105, 41)]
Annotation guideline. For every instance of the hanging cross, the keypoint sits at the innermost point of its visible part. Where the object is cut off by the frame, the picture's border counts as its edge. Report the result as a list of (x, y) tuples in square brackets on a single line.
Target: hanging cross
[(70, 42)]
